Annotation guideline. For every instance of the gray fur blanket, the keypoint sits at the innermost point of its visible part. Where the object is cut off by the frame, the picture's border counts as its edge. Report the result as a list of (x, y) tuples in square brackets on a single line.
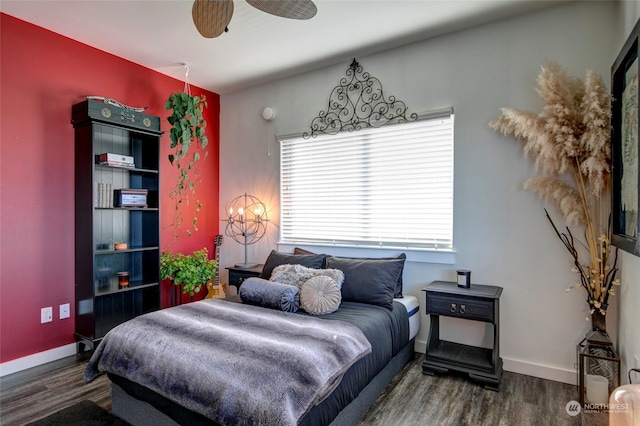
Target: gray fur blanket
[(236, 364)]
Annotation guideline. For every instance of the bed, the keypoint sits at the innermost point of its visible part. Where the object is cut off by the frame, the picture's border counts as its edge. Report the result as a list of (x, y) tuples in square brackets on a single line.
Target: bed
[(380, 340)]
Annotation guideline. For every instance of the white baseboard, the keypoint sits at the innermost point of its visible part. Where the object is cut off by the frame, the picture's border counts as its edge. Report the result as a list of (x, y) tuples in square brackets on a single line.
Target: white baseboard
[(34, 360), (542, 371), (420, 346), (521, 367)]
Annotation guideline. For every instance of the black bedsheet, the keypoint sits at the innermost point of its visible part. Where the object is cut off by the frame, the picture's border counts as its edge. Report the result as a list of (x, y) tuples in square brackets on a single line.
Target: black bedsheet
[(372, 320)]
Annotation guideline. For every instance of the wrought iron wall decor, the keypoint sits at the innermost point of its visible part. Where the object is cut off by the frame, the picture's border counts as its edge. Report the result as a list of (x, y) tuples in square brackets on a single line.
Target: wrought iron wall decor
[(357, 102)]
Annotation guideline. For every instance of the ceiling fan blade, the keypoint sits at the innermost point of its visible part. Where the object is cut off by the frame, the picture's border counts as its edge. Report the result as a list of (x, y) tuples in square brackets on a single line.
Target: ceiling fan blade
[(212, 17), (293, 9)]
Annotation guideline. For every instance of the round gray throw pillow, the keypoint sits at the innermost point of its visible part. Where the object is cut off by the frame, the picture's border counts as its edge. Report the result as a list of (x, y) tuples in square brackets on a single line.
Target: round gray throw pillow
[(320, 295)]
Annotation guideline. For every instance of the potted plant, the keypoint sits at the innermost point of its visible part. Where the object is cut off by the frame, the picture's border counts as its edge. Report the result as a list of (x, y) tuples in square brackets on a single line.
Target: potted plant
[(570, 140), (187, 129), (190, 271)]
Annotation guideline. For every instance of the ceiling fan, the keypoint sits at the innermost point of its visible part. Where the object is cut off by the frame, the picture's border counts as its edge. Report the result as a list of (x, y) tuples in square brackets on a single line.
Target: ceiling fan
[(211, 17)]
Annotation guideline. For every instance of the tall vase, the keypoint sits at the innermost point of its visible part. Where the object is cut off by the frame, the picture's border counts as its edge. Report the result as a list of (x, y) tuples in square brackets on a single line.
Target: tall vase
[(598, 321)]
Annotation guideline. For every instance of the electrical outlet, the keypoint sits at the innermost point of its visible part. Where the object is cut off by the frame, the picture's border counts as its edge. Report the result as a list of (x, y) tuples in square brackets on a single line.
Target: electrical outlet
[(65, 311), (46, 314)]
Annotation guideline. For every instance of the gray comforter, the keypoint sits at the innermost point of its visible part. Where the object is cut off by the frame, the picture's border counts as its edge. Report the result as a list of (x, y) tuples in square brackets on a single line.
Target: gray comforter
[(233, 363)]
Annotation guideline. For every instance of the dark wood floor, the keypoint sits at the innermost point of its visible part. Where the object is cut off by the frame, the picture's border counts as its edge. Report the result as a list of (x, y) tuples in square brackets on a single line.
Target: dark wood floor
[(411, 399)]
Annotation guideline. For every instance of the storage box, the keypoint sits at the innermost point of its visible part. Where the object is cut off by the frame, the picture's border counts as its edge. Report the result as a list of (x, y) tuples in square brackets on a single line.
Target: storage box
[(130, 198), (120, 160)]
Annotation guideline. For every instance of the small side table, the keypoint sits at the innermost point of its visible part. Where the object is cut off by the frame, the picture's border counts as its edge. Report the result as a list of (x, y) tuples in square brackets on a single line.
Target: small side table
[(477, 303), (238, 275)]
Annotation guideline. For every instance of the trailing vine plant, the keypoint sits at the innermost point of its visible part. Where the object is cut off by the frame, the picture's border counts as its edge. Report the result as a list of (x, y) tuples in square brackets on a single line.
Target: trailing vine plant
[(187, 131)]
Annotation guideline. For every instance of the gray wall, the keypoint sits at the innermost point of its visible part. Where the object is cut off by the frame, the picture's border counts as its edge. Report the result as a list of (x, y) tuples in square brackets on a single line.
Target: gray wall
[(500, 231)]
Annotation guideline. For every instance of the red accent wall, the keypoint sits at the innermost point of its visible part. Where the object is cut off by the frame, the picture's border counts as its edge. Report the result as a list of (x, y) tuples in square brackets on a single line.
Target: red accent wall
[(42, 74)]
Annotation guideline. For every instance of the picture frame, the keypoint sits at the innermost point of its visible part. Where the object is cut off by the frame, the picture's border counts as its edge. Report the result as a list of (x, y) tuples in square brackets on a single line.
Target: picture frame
[(625, 148)]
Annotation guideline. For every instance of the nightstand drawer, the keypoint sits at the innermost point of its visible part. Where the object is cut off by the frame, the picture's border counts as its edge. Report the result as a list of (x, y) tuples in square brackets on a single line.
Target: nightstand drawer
[(236, 278), (238, 275), (460, 307)]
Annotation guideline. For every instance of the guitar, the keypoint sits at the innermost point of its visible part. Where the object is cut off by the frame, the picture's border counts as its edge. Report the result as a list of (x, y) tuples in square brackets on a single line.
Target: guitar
[(216, 291)]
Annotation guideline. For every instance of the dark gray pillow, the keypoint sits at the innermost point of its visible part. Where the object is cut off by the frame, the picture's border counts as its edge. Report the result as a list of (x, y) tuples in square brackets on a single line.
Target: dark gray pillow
[(268, 294), (315, 261), (371, 281), (398, 291)]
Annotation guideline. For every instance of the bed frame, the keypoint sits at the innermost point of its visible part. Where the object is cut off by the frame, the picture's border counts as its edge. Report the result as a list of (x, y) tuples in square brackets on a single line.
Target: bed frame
[(138, 412)]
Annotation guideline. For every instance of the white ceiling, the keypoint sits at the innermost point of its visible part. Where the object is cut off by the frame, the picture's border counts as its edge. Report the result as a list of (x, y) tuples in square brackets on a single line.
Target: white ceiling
[(259, 47)]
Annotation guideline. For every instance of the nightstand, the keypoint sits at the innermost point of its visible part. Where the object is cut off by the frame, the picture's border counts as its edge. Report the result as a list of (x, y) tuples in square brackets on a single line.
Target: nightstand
[(477, 303), (238, 275)]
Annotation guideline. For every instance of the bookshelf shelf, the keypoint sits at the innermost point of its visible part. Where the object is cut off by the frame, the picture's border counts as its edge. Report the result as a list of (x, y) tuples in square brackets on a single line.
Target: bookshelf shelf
[(129, 250), (128, 169), (141, 209)]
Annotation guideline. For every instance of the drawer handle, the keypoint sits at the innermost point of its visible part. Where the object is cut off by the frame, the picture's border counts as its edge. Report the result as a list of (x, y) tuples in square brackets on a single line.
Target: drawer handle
[(453, 307), (462, 309)]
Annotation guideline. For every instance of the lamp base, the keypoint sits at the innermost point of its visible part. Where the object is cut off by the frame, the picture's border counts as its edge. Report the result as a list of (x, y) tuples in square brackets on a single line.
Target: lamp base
[(246, 265)]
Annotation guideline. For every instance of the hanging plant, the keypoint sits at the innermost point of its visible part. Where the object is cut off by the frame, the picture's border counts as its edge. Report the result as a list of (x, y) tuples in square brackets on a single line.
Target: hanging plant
[(187, 131)]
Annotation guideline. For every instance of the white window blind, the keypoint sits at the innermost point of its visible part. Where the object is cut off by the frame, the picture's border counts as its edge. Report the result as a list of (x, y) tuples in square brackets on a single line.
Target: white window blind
[(388, 187)]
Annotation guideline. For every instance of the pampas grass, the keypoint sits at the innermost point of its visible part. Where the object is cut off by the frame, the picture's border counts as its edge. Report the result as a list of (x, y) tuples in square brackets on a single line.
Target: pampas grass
[(570, 143), (552, 189)]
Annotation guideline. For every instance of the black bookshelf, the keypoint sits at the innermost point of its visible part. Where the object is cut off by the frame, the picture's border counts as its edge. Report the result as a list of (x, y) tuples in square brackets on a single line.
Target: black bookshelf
[(101, 301)]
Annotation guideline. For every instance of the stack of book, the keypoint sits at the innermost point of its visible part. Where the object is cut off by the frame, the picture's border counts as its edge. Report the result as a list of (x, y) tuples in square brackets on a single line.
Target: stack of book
[(102, 195), (116, 160)]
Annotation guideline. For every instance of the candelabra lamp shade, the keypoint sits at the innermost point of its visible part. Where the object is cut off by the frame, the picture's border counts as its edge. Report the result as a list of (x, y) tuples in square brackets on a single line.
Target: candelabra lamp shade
[(246, 223), (598, 370)]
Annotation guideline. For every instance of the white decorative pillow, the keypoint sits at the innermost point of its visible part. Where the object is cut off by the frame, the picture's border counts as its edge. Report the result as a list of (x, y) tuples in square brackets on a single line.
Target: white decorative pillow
[(320, 295), (297, 275)]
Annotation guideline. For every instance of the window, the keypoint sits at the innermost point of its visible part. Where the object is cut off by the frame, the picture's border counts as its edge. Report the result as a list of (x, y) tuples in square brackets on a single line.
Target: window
[(387, 187)]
